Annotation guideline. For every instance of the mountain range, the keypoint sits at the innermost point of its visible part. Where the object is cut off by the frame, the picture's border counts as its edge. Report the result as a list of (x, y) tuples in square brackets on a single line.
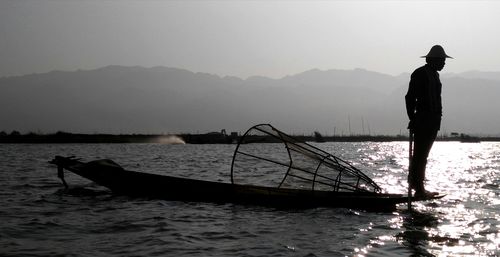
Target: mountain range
[(123, 100)]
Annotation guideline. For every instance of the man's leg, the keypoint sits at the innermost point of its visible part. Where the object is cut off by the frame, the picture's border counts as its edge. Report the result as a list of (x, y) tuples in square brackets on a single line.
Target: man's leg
[(422, 146)]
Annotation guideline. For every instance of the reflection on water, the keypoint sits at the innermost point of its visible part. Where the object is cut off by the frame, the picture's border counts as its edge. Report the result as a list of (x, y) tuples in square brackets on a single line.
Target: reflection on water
[(466, 221), (40, 219)]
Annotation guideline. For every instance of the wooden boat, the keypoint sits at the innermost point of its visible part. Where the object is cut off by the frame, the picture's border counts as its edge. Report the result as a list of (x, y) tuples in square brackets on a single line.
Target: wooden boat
[(312, 177)]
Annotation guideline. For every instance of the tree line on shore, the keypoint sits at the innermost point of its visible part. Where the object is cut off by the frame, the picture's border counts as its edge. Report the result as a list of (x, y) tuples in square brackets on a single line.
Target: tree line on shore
[(207, 138)]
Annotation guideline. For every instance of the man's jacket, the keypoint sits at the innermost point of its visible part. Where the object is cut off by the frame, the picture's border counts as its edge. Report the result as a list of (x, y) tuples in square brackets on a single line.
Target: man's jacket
[(423, 100)]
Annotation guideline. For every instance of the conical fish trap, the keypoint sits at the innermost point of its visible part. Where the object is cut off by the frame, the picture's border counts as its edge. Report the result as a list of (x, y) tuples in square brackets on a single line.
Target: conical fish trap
[(266, 156)]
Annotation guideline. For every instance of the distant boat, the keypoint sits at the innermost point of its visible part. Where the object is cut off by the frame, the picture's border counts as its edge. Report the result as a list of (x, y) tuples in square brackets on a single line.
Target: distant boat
[(469, 139), (293, 174), (211, 138)]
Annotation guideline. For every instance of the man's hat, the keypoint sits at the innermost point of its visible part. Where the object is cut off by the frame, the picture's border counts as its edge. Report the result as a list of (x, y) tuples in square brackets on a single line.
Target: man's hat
[(437, 51)]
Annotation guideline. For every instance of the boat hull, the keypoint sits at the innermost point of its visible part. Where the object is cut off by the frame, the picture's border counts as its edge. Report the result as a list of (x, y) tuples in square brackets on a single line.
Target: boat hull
[(139, 184)]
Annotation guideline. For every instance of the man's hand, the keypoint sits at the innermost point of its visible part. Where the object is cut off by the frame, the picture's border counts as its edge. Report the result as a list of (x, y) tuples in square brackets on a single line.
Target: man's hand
[(411, 125)]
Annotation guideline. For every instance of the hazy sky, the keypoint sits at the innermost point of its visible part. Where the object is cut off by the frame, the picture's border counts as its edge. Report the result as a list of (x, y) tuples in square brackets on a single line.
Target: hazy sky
[(245, 38)]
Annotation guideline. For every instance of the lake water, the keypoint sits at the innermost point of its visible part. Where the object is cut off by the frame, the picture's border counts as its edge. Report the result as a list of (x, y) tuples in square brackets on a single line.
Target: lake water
[(40, 218)]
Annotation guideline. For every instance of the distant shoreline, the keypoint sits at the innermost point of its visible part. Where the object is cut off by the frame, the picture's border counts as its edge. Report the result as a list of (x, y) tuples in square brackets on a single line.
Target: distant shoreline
[(209, 138)]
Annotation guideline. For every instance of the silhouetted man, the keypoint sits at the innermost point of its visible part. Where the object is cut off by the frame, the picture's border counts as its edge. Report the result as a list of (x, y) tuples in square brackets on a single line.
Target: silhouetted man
[(423, 105)]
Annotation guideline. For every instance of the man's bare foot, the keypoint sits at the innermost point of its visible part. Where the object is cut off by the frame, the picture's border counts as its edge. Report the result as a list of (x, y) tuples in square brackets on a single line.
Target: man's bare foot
[(425, 194)]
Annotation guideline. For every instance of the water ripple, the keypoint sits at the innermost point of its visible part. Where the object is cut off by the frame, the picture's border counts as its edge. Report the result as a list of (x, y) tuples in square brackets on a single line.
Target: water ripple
[(41, 218)]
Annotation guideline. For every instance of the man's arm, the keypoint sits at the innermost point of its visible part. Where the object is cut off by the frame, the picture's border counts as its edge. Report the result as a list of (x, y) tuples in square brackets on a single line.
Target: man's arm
[(411, 97)]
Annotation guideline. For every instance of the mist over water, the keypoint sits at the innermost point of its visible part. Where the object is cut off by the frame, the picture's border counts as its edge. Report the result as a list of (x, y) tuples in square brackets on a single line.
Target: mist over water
[(40, 218)]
